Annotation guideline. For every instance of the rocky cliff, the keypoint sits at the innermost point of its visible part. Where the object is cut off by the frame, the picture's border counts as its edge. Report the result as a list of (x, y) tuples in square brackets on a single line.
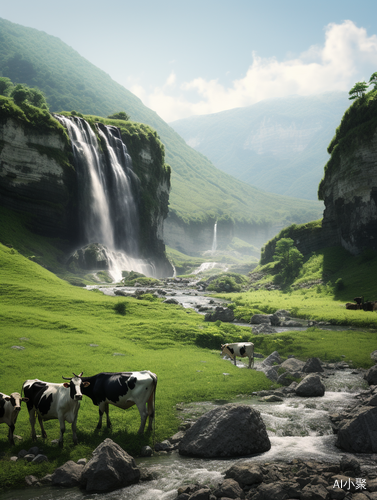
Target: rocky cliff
[(348, 188), (39, 180)]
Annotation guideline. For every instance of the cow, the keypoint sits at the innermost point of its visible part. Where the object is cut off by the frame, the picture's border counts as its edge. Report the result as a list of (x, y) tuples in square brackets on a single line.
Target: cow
[(123, 389), (241, 349), (352, 305), (369, 305), (10, 407), (54, 401), (359, 300)]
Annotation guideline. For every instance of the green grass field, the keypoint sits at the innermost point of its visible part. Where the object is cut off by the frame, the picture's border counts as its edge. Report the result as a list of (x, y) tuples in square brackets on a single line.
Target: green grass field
[(56, 323), (66, 329)]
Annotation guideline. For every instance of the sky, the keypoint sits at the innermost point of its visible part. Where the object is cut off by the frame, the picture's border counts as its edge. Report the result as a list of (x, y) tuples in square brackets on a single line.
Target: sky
[(191, 58)]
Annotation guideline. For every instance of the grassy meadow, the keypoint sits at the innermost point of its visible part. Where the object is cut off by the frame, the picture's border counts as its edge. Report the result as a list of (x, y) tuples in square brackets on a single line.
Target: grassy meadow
[(56, 323), (65, 329)]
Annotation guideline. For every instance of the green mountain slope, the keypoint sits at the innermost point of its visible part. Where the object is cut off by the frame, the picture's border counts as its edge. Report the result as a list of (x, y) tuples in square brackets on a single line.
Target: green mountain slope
[(72, 83), (278, 145)]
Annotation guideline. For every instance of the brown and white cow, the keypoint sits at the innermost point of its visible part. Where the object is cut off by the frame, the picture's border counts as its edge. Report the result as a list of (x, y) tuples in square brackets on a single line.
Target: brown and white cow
[(10, 407), (51, 401), (240, 349)]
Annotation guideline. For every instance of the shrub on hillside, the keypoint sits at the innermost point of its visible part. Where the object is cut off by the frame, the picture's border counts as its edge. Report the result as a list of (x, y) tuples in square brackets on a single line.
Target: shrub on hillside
[(229, 282)]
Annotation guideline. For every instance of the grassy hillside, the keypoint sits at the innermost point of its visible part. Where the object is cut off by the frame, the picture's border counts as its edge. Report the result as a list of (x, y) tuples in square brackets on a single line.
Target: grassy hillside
[(72, 83), (279, 145)]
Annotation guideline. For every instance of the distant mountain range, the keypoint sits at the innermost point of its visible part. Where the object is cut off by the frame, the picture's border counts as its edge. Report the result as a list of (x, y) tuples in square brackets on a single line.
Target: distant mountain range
[(279, 145), (200, 192)]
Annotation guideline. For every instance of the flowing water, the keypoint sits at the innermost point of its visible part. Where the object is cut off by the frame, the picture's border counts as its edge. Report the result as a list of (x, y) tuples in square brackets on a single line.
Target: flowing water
[(297, 428), (108, 194), (214, 242)]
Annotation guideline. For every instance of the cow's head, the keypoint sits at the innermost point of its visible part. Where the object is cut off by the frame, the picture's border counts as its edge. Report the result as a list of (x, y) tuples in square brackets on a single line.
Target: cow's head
[(15, 400), (225, 349), (75, 384)]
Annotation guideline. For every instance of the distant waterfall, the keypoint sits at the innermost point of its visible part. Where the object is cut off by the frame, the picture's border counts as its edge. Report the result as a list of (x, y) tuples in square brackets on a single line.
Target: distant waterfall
[(214, 242), (108, 210)]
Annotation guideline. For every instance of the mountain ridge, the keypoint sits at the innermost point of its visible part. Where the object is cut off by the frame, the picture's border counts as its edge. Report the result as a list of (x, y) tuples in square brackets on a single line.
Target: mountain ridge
[(278, 145), (200, 192)]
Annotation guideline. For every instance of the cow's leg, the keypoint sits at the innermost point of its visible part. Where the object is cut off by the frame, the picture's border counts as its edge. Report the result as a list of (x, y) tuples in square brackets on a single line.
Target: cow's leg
[(32, 421), (235, 361), (108, 422), (10, 434), (103, 408), (143, 416), (62, 430), (40, 420), (151, 411), (74, 426)]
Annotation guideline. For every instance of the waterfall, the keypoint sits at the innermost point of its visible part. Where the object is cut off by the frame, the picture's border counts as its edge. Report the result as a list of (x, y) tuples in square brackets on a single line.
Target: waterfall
[(108, 209), (214, 242)]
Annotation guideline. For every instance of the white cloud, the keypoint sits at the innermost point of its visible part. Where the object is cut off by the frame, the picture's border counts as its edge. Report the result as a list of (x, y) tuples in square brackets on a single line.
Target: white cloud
[(348, 55)]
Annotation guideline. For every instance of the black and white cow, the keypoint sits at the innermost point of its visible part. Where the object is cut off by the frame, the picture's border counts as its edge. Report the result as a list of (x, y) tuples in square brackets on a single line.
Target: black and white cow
[(123, 390), (240, 349), (54, 401), (10, 407)]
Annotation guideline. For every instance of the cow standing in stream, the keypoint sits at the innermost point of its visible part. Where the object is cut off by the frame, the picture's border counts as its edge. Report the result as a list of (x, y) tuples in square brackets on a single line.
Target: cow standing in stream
[(123, 390), (54, 401), (240, 349)]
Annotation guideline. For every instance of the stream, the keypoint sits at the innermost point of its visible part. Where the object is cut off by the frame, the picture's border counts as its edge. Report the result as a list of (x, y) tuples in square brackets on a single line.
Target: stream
[(297, 428)]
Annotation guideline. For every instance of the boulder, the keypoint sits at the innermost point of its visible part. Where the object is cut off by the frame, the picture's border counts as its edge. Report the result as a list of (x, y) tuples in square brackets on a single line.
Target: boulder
[(293, 365), (91, 257), (287, 378), (271, 491), (259, 319), (373, 355), (68, 475), (272, 359), (312, 365), (245, 473), (229, 489), (278, 317), (311, 386), (220, 313), (358, 432), (109, 468), (227, 431), (171, 300), (269, 366), (371, 375), (271, 372)]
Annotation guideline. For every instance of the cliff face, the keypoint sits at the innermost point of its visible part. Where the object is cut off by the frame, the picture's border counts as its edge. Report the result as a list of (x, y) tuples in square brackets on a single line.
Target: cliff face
[(37, 178), (350, 195), (349, 186)]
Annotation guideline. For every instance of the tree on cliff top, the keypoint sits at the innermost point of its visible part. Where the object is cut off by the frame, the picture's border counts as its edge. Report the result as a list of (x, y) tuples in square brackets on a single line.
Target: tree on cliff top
[(373, 80), (358, 90), (121, 115)]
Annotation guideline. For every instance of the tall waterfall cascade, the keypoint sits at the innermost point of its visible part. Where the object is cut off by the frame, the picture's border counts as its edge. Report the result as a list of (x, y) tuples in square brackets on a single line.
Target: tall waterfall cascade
[(108, 204), (214, 242)]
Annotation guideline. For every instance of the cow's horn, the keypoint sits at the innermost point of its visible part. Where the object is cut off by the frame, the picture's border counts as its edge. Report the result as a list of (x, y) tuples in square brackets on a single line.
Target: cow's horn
[(65, 378), (74, 374)]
